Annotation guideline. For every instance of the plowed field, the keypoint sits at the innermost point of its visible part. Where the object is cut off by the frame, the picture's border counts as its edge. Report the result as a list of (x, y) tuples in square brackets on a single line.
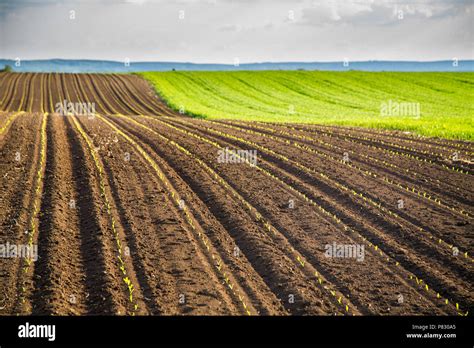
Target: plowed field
[(133, 213)]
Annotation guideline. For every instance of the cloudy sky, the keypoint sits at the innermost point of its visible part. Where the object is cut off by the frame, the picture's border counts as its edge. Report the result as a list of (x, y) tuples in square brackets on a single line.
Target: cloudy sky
[(218, 31)]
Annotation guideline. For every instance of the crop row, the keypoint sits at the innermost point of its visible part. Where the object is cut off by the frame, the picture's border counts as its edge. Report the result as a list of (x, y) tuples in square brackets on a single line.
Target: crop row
[(385, 256), (415, 190), (257, 215), (108, 209), (357, 194), (382, 162), (361, 140), (374, 247), (218, 263), (33, 218), (415, 141), (9, 120), (297, 257), (175, 197)]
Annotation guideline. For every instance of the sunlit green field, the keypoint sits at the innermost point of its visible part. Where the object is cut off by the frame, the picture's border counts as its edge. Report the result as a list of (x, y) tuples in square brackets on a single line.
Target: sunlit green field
[(433, 104)]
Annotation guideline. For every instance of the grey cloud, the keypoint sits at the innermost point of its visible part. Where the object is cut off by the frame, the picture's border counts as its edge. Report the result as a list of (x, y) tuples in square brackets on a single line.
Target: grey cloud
[(381, 12), (230, 28), (218, 31)]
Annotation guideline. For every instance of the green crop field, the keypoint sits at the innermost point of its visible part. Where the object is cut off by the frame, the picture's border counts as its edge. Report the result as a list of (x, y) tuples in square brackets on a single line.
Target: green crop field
[(432, 104)]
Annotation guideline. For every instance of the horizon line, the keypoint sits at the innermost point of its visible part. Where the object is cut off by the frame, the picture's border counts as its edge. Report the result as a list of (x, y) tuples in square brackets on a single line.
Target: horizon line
[(230, 64)]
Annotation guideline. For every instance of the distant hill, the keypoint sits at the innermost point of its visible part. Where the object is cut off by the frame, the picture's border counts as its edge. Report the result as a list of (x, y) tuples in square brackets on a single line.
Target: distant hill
[(65, 65)]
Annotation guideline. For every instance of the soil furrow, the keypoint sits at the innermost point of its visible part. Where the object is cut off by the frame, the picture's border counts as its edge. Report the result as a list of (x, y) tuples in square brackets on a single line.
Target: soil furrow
[(212, 255), (376, 237), (7, 103), (399, 150), (258, 190), (60, 282), (161, 236), (404, 174), (412, 212), (254, 244), (139, 209), (330, 169), (18, 169)]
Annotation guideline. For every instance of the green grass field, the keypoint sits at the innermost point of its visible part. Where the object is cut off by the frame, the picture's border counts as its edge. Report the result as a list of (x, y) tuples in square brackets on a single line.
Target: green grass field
[(436, 104)]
